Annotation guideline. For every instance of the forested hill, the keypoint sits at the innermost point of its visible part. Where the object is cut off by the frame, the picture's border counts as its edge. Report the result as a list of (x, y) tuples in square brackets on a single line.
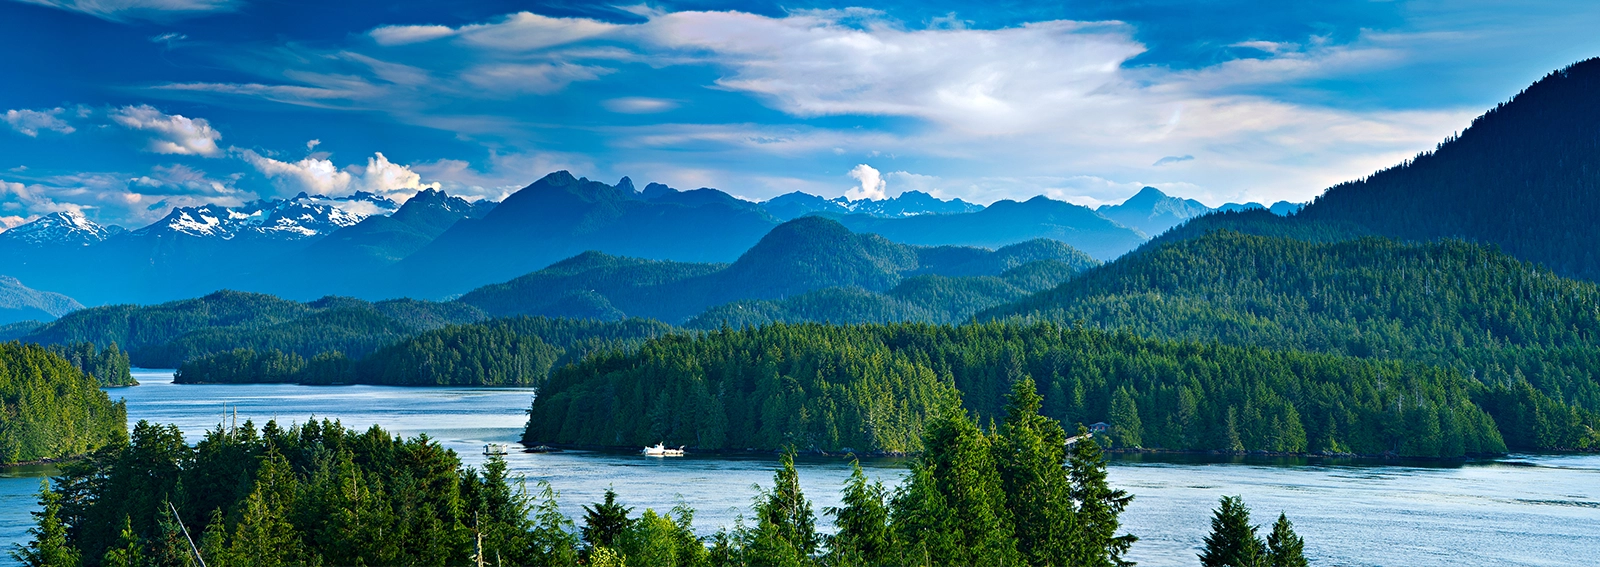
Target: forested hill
[(165, 335), (1498, 319), (51, 409), (869, 388), (806, 254), (1522, 177)]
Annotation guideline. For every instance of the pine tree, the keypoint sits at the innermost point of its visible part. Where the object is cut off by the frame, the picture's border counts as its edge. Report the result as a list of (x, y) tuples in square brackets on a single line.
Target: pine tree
[(952, 510), (1031, 453), (1284, 547), (1095, 539), (49, 546), (786, 529), (1233, 541), (128, 552), (605, 521), (1126, 428), (863, 536)]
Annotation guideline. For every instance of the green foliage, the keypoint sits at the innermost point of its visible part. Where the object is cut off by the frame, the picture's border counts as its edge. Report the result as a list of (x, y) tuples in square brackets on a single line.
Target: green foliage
[(49, 547), (50, 409), (862, 535), (167, 335), (811, 386), (1284, 547), (1232, 541), (786, 529), (870, 388), (313, 494), (504, 352), (108, 366), (605, 522), (1459, 306)]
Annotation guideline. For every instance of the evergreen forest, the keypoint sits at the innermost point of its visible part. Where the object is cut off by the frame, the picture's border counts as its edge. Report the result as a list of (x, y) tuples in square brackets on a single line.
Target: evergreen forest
[(51, 409), (872, 388), (1016, 493)]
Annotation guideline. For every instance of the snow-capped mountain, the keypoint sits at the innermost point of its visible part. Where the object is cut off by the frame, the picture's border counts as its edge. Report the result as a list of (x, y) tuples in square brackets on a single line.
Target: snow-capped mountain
[(302, 216), (67, 227), (907, 204)]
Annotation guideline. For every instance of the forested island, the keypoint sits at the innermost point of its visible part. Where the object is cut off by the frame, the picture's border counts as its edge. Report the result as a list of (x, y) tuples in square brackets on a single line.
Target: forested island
[(49, 409), (871, 387), (1018, 492)]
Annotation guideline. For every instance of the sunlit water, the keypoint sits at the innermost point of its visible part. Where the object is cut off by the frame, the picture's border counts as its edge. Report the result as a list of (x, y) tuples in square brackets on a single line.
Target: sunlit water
[(1521, 510)]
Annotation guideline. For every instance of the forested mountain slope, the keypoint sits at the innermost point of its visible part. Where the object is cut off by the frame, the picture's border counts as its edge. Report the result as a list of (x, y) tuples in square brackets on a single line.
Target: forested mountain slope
[(797, 257), (165, 335), (1495, 318), (1007, 222), (1523, 177)]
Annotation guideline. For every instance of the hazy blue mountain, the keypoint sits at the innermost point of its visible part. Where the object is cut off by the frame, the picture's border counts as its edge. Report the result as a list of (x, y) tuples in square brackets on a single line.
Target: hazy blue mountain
[(1007, 222), (1521, 177), (910, 203), (1153, 212), (22, 303), (797, 257), (560, 216)]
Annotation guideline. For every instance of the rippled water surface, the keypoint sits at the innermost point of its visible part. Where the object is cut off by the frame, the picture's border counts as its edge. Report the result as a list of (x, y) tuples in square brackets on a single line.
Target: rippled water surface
[(1520, 510)]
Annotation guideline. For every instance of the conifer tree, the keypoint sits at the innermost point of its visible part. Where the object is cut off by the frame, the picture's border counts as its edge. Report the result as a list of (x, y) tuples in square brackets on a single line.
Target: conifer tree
[(1284, 547), (1095, 539), (605, 521), (1126, 428), (49, 546), (786, 530), (128, 552), (1031, 453), (1233, 541), (863, 536), (953, 505)]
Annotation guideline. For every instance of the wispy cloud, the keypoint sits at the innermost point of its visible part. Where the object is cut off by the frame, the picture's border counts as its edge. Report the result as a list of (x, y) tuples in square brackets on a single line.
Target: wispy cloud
[(31, 122), (1169, 160), (125, 10)]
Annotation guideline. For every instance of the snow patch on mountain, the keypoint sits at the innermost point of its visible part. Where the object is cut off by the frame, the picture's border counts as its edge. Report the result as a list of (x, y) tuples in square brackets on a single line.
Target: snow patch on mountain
[(66, 227)]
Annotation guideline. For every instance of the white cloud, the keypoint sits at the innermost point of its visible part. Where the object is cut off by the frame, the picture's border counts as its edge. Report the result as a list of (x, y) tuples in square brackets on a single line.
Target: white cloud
[(315, 175), (402, 35), (537, 78), (171, 133), (30, 122), (639, 105), (124, 10), (870, 185)]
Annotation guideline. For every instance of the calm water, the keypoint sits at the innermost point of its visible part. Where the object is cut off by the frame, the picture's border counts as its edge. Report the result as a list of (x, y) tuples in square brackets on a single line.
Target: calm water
[(1522, 510)]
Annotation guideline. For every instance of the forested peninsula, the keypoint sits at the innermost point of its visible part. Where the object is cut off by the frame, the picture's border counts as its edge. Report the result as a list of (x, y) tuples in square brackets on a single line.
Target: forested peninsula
[(50, 409), (870, 388)]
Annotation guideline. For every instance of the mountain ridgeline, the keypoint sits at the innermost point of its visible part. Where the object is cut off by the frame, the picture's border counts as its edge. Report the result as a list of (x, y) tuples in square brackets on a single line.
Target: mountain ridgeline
[(1521, 178), (796, 258)]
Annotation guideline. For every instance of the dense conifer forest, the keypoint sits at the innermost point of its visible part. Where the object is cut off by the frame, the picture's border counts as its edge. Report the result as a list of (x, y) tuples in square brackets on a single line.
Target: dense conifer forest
[(873, 387), (109, 366), (1506, 324), (50, 409), (519, 351), (321, 494)]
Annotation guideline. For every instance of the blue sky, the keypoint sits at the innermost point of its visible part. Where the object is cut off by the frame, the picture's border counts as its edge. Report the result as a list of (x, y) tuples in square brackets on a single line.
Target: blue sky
[(126, 108)]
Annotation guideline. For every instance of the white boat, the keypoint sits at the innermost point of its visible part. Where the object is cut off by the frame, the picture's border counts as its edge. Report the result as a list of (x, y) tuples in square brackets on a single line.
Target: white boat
[(660, 450), (495, 449)]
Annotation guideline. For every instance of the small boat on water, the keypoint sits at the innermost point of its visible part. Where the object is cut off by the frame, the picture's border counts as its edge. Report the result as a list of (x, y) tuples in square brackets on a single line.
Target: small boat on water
[(541, 449), (660, 450), (495, 449)]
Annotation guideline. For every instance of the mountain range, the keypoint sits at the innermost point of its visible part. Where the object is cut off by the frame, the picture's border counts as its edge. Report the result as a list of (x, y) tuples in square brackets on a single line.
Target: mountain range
[(437, 246)]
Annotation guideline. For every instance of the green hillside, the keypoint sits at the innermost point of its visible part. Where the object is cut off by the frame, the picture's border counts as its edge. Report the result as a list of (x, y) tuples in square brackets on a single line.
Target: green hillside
[(51, 409)]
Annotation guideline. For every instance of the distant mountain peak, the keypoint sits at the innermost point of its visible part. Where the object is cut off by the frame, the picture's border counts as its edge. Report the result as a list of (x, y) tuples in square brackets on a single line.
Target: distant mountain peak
[(907, 204), (65, 227), (1152, 211)]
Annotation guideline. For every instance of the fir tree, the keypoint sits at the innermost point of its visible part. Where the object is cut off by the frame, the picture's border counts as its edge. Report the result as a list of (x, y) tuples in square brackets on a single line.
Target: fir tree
[(128, 552), (49, 547), (605, 521), (786, 529), (1284, 547), (1233, 541), (1031, 453), (863, 536), (1095, 539), (1126, 428)]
